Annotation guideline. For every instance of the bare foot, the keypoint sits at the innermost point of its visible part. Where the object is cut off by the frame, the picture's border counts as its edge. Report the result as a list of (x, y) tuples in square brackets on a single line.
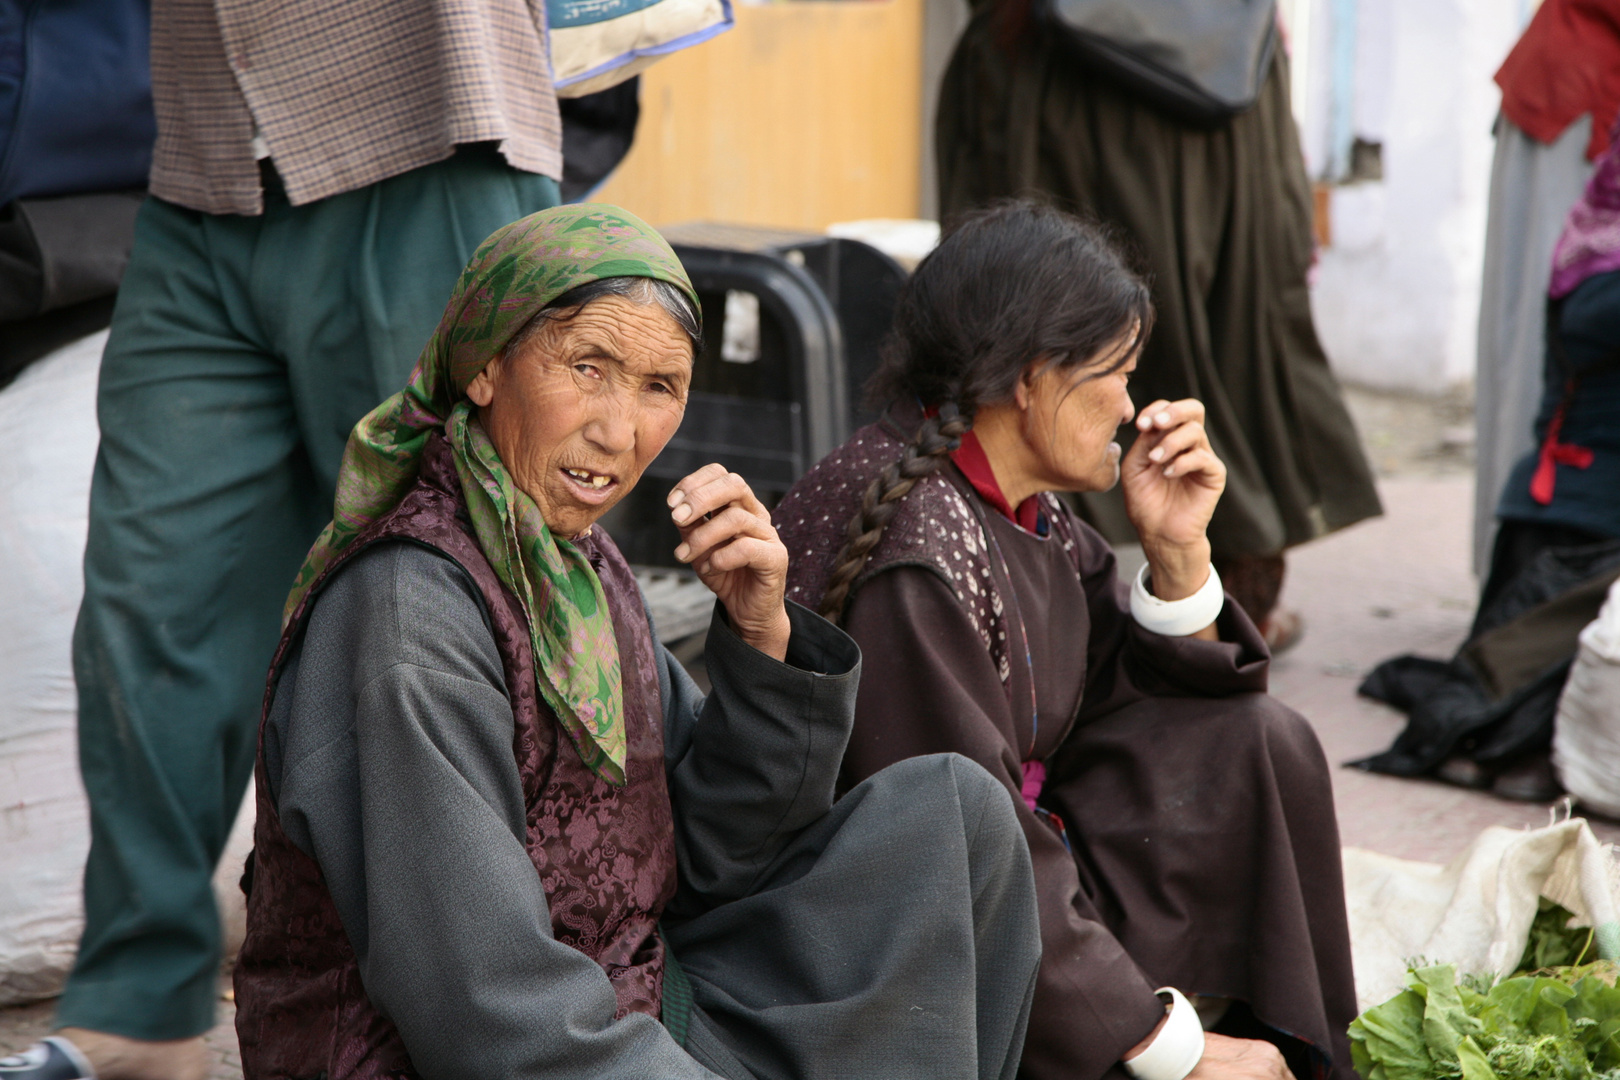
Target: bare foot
[(116, 1057)]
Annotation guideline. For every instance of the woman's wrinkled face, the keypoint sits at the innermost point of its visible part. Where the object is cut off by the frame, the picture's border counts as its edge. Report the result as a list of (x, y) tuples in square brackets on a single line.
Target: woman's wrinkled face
[(1073, 416), (582, 408)]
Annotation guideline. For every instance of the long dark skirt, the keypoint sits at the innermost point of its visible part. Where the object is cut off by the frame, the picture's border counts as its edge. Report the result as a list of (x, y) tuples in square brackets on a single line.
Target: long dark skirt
[(1221, 221), (897, 938), (1218, 880)]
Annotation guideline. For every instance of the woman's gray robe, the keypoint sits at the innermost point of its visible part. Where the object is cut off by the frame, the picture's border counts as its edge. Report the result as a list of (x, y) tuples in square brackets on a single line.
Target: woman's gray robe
[(890, 935)]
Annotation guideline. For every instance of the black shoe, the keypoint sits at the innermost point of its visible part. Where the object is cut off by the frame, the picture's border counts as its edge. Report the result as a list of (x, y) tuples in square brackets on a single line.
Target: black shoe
[(1464, 772), (54, 1058), (1529, 779)]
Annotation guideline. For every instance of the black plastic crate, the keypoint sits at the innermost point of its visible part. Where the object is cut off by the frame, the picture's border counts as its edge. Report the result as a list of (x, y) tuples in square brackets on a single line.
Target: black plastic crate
[(791, 391)]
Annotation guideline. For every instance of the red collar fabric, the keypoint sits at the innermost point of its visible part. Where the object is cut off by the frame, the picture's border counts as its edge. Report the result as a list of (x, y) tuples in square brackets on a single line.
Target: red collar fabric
[(970, 458)]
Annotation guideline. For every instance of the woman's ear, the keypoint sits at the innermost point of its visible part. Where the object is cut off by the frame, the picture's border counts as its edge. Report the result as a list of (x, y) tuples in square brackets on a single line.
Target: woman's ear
[(481, 391), (1024, 389)]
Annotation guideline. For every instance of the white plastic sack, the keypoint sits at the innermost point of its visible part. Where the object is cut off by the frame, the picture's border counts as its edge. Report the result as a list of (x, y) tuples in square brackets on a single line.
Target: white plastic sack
[(49, 418), (596, 44), (1474, 912), (1586, 735)]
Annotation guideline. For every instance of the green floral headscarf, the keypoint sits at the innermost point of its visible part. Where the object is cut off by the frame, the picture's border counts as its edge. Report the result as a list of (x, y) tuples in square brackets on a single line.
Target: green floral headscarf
[(516, 272)]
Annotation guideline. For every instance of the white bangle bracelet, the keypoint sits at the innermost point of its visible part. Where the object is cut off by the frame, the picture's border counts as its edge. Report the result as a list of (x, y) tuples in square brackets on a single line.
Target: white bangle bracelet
[(1175, 1050), (1176, 618)]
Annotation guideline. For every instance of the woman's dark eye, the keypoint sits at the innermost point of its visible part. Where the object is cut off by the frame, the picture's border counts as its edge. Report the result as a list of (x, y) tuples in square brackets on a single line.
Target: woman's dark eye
[(588, 369), (660, 388)]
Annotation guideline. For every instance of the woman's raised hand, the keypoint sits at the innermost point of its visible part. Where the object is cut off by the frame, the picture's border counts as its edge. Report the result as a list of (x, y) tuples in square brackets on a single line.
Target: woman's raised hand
[(727, 537), (1172, 480)]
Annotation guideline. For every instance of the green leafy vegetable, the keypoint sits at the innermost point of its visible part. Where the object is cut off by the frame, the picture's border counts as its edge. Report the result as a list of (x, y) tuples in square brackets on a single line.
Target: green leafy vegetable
[(1557, 1024), (1553, 942)]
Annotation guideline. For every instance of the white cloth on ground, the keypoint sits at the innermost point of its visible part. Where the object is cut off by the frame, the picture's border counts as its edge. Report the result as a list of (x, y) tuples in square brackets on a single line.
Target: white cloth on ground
[(1474, 912)]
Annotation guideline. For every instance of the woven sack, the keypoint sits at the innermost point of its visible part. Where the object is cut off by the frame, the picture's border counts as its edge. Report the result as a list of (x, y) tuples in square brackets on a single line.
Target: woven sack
[(1586, 733), (1475, 912), (596, 44)]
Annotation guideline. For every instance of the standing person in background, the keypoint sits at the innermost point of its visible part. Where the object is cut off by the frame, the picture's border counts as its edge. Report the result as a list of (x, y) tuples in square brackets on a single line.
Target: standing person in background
[(1560, 94), (322, 173), (1221, 216), (1474, 721)]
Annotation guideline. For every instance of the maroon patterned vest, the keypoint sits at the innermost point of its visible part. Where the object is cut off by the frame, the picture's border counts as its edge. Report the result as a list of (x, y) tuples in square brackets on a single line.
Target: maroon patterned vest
[(605, 855), (938, 526)]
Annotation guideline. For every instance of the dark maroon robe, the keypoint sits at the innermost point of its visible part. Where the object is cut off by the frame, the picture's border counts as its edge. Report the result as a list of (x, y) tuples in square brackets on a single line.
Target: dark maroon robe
[(1185, 835)]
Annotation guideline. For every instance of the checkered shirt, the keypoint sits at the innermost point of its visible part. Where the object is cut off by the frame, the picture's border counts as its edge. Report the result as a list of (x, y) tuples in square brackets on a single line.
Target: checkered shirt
[(344, 92)]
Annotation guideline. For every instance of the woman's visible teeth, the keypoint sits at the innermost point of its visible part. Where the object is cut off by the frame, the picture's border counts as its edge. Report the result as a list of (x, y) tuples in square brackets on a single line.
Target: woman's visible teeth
[(595, 480)]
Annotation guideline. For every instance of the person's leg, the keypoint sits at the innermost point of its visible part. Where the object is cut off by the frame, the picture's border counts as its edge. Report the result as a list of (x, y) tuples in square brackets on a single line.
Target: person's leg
[(1204, 830), (897, 938), (198, 516), (237, 341), (1255, 582), (351, 288), (1532, 188)]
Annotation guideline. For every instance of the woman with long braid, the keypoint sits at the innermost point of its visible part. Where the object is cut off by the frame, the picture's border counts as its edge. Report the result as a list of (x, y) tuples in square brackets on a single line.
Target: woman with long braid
[(1180, 821)]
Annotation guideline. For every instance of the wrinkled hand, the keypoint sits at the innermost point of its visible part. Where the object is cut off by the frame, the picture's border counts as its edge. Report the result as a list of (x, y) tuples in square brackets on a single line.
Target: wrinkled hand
[(1172, 481), (727, 537), (1226, 1058)]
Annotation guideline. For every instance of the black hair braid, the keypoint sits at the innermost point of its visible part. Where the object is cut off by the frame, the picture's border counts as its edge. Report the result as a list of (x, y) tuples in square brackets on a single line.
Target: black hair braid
[(936, 437), (1016, 287)]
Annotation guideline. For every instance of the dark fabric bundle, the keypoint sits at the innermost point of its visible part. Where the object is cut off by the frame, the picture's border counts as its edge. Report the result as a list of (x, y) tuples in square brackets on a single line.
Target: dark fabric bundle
[(1496, 699), (61, 259), (1201, 62), (62, 251), (597, 132)]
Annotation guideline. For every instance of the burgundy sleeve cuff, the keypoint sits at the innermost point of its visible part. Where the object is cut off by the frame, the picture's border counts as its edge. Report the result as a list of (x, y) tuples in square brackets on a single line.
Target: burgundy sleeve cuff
[(1239, 663)]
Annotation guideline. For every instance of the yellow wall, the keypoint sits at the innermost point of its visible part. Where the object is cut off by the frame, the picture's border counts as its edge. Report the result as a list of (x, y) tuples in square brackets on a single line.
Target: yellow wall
[(806, 113)]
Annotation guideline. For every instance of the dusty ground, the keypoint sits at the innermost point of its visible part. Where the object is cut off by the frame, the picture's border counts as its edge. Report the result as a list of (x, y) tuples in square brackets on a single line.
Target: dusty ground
[(1408, 435), (1400, 583), (1397, 584), (22, 1025)]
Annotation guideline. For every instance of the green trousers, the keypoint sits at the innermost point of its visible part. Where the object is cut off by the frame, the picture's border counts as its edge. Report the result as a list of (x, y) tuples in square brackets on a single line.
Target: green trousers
[(243, 350)]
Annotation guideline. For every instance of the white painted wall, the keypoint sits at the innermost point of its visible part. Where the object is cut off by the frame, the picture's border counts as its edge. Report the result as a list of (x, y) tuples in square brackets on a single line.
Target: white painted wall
[(1396, 295)]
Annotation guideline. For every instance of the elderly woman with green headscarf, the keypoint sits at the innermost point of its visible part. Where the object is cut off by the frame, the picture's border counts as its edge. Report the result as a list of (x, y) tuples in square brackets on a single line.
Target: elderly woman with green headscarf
[(501, 833)]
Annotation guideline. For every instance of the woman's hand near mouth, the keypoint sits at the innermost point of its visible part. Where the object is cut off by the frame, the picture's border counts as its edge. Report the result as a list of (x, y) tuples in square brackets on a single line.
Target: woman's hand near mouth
[(1172, 480), (727, 537)]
